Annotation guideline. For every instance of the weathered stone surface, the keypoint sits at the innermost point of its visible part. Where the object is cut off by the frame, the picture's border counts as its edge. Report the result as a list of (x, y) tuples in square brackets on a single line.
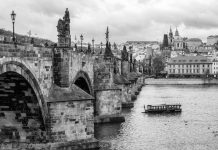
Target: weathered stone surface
[(75, 93), (71, 120), (108, 102), (36, 67)]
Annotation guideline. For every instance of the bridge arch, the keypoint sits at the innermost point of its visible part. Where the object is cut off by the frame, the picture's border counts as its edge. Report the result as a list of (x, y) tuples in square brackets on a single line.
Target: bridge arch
[(21, 70), (83, 81)]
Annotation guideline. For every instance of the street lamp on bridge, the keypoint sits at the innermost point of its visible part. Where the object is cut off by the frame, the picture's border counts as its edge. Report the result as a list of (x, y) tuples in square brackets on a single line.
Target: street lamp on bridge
[(13, 16), (81, 38), (93, 42)]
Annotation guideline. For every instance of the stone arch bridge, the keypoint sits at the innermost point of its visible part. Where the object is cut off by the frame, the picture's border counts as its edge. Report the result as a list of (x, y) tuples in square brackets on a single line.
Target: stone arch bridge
[(36, 85)]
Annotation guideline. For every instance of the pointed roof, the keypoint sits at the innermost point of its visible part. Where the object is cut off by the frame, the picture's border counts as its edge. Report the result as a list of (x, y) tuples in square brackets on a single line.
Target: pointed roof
[(107, 35), (171, 32), (108, 52), (125, 54), (177, 32)]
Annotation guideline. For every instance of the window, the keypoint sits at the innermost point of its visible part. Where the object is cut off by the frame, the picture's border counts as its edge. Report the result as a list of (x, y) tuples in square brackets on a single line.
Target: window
[(208, 65), (178, 70), (197, 71), (186, 65), (194, 71), (173, 70), (182, 70), (186, 70), (203, 65), (170, 70), (203, 70)]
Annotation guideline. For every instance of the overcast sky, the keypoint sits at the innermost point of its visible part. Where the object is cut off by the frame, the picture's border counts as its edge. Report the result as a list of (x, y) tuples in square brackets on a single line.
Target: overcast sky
[(127, 19)]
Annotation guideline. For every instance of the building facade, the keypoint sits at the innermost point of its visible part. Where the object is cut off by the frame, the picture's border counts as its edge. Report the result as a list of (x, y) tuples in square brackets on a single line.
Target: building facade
[(189, 65), (212, 39), (215, 67), (193, 43)]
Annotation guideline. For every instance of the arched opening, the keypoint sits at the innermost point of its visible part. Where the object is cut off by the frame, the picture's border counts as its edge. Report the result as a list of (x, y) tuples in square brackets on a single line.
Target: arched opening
[(20, 114), (81, 82)]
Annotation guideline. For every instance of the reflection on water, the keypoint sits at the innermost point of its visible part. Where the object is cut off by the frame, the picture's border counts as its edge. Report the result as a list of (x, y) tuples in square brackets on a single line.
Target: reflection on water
[(172, 114), (196, 127)]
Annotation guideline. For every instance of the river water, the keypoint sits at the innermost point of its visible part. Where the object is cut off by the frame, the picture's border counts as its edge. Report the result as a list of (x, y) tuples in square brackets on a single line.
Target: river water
[(196, 128)]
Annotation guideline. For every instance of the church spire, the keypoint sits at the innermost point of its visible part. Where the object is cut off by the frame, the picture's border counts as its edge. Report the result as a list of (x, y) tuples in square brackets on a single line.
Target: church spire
[(170, 33), (177, 32), (107, 35), (108, 52)]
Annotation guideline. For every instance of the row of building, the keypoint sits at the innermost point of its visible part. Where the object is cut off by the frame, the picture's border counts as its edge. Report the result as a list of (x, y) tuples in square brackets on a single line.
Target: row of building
[(192, 65), (189, 56)]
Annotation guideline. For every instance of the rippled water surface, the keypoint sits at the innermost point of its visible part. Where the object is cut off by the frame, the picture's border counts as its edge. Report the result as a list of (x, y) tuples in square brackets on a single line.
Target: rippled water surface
[(195, 128)]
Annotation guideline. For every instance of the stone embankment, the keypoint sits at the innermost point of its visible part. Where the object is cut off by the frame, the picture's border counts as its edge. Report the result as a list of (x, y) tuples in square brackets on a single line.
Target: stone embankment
[(152, 81)]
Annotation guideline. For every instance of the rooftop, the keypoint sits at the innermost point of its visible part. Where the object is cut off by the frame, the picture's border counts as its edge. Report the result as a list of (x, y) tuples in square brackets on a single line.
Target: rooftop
[(189, 59), (213, 36), (194, 40)]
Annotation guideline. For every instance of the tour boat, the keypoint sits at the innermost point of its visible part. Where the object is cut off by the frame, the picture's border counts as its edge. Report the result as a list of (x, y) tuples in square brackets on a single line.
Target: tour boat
[(163, 108)]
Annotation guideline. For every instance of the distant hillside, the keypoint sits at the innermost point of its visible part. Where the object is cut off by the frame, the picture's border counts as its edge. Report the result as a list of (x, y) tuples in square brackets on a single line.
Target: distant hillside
[(141, 42), (24, 38)]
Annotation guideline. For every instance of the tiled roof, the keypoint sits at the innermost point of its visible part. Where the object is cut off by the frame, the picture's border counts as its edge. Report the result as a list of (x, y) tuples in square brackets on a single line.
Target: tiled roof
[(74, 93), (189, 59)]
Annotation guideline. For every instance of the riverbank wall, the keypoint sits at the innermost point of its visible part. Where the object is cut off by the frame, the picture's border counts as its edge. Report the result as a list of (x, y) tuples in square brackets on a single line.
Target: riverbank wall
[(152, 81)]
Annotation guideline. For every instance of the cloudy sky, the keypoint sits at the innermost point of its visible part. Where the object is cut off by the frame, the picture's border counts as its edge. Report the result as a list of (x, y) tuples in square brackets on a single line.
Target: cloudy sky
[(127, 19)]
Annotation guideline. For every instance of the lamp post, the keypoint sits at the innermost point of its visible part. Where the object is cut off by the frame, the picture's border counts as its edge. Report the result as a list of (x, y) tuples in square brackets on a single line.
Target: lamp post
[(93, 42), (101, 47), (81, 38), (13, 16)]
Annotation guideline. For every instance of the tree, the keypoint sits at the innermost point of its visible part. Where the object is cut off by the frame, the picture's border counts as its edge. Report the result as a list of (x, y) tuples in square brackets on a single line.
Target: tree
[(158, 65)]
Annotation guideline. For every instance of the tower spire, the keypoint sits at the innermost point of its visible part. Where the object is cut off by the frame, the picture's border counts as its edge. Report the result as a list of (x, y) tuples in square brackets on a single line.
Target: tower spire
[(177, 32), (107, 35), (170, 29)]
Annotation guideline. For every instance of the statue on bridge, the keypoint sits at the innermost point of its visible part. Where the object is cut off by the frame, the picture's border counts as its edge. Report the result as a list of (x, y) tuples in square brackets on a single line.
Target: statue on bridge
[(63, 28), (124, 54)]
